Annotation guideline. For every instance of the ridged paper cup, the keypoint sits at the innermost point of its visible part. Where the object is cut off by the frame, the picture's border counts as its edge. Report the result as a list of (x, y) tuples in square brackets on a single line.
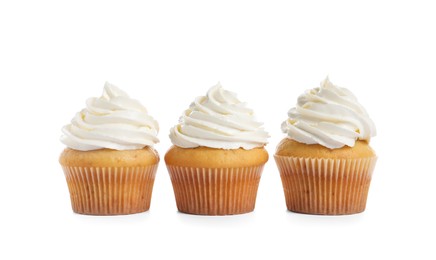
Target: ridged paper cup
[(325, 186), (215, 191), (110, 190)]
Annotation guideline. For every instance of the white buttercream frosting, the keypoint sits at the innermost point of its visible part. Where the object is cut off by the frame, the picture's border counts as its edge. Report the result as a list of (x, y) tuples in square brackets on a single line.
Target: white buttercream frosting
[(113, 121), (218, 120), (330, 116)]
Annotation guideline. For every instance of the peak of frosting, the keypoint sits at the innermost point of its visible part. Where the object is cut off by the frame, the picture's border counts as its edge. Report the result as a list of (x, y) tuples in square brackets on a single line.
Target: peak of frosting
[(330, 116), (218, 120), (113, 121)]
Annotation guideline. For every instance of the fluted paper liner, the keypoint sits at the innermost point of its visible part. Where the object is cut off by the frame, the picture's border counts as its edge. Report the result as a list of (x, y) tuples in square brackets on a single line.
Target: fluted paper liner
[(110, 190), (325, 186), (215, 191)]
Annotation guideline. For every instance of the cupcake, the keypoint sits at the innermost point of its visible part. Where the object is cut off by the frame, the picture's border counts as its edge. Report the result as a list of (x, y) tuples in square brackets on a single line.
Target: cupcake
[(217, 157), (109, 162), (325, 162)]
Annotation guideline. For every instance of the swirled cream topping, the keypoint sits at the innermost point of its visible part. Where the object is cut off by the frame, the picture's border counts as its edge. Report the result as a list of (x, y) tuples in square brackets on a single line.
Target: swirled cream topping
[(113, 121), (330, 116), (218, 120)]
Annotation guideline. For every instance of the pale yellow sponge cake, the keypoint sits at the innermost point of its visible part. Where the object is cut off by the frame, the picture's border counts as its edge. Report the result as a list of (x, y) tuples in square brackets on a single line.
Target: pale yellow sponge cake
[(292, 148), (215, 158), (109, 158)]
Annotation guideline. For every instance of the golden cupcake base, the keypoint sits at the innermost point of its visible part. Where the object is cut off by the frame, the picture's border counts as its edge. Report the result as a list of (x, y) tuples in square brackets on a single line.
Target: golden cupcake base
[(110, 190), (325, 186), (215, 191)]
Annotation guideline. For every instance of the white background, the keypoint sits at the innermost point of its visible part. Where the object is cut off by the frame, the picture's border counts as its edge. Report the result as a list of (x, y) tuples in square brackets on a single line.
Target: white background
[(54, 55)]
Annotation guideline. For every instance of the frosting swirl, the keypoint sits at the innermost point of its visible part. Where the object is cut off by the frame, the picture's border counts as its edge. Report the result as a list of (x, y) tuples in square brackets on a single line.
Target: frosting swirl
[(218, 120), (113, 121), (330, 116)]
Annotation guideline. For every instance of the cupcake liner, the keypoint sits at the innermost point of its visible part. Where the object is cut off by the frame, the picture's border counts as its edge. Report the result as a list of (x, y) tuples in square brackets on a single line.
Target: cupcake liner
[(325, 186), (215, 191), (110, 190)]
